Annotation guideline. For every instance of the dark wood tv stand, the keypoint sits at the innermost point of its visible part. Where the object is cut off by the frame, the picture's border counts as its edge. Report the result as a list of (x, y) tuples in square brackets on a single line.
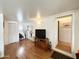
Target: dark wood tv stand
[(42, 43)]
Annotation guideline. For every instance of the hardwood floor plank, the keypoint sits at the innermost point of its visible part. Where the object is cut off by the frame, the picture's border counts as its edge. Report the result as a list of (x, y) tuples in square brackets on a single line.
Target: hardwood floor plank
[(25, 49), (64, 46)]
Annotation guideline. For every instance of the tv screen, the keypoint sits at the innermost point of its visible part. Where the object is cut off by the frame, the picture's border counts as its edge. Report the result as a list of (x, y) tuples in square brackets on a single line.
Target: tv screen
[(40, 33)]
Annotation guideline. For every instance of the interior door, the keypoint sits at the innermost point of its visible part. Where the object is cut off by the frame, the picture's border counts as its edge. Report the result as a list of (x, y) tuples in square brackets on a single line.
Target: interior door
[(13, 32)]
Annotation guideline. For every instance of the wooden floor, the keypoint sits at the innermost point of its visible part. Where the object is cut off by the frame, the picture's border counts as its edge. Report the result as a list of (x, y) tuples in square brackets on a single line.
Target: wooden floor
[(64, 46), (25, 49)]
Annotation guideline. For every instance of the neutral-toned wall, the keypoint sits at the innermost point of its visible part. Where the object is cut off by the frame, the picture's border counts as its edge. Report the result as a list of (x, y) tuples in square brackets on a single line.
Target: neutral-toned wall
[(6, 31), (50, 24), (24, 30), (20, 28), (1, 36), (76, 30), (65, 34), (27, 27)]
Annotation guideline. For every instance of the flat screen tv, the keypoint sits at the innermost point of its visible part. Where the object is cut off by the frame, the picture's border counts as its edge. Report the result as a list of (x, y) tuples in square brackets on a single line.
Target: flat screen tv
[(40, 33)]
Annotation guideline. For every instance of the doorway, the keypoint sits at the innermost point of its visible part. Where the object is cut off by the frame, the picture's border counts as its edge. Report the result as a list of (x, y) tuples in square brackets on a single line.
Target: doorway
[(25, 29), (12, 32), (65, 33)]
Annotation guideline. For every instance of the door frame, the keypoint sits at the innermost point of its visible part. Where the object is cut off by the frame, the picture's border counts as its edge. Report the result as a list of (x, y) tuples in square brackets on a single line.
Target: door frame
[(13, 22), (73, 33), (71, 27)]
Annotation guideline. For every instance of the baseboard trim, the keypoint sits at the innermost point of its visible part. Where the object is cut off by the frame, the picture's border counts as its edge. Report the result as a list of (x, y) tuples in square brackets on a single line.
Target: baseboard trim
[(65, 53)]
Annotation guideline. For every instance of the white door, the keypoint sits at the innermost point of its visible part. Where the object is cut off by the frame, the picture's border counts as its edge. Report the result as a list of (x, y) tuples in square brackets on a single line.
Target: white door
[(13, 32)]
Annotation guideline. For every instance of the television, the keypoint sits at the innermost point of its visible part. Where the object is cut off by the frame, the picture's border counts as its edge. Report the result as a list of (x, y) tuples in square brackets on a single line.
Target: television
[(40, 33)]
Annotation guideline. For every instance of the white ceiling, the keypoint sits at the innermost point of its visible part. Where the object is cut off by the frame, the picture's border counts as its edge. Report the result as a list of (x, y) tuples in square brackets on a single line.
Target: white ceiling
[(30, 7)]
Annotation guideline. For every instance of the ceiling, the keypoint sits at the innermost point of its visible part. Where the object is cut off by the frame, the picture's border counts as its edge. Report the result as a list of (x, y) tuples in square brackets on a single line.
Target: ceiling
[(29, 8)]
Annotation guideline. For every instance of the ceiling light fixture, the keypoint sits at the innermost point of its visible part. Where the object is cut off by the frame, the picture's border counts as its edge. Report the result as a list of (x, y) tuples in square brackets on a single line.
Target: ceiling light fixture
[(38, 15)]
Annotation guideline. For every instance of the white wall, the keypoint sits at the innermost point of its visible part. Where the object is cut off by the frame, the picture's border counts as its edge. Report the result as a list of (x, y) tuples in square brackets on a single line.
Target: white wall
[(6, 32), (28, 30), (76, 31), (50, 24), (1, 36), (65, 34), (20, 27), (24, 30)]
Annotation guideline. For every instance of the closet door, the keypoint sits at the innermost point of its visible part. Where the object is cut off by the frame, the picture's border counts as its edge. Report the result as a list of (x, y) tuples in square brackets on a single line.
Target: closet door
[(1, 36), (13, 32)]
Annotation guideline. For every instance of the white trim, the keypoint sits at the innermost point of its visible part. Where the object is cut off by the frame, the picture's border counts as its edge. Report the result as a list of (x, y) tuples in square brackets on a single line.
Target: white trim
[(73, 35), (73, 31), (62, 52), (65, 13), (12, 21)]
